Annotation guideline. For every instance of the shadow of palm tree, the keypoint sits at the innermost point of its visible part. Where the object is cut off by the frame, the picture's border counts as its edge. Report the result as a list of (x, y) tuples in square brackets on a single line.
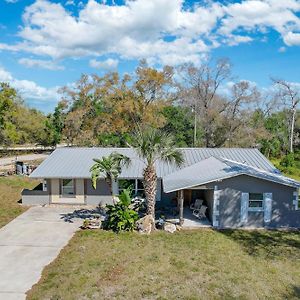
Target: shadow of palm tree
[(84, 214), (266, 243)]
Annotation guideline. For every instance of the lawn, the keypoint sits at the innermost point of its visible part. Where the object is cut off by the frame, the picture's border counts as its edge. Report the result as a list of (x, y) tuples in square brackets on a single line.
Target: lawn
[(203, 264), (10, 194)]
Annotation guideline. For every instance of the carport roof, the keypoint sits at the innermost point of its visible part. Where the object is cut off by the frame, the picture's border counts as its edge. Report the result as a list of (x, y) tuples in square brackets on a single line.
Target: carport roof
[(215, 169)]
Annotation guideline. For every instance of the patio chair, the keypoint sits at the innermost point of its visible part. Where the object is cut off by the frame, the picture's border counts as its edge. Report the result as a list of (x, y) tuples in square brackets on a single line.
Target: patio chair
[(197, 204), (200, 212)]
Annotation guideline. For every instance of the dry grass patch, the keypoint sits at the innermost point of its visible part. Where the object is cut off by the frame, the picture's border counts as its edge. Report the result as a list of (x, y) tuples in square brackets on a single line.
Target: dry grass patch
[(203, 264), (10, 194)]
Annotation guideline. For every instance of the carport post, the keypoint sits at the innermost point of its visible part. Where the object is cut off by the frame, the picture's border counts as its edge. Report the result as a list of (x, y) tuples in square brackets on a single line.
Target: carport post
[(180, 199)]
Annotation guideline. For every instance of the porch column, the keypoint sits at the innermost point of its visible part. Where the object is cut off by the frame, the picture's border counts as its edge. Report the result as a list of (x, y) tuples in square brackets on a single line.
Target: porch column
[(180, 200)]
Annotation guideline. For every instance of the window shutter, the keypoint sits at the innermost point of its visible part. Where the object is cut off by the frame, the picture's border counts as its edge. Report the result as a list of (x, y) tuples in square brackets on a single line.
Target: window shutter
[(296, 199), (267, 207), (244, 207)]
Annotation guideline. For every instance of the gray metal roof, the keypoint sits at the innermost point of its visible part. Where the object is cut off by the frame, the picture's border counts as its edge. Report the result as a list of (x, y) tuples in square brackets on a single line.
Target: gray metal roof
[(76, 162), (214, 169)]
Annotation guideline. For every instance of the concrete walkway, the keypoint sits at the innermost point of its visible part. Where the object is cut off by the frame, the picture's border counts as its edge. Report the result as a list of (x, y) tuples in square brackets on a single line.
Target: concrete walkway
[(28, 244)]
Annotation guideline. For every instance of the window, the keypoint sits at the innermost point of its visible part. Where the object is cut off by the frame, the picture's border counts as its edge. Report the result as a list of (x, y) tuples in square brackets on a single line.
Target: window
[(67, 187), (256, 201), (126, 183), (135, 184), (139, 188)]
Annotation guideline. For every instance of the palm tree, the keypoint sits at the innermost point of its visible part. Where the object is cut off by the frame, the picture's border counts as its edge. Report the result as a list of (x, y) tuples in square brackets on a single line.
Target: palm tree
[(153, 145), (110, 166)]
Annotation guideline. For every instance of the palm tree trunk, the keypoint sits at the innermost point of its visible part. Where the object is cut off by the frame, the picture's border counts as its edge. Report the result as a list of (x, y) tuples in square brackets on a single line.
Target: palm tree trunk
[(109, 183), (150, 180)]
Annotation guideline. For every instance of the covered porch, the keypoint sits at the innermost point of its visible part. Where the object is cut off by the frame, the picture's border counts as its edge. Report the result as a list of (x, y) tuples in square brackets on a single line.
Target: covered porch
[(189, 221), (190, 208)]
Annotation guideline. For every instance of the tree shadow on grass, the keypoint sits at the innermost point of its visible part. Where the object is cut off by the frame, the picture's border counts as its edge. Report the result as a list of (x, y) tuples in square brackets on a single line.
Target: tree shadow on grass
[(269, 244), (293, 294), (83, 214)]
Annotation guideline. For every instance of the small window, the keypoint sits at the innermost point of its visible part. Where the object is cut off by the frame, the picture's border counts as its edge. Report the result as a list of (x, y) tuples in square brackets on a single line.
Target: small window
[(67, 187), (140, 188), (256, 201), (125, 184), (136, 185)]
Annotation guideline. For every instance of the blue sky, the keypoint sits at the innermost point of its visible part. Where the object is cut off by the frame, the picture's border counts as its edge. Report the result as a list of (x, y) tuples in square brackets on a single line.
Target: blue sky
[(48, 44)]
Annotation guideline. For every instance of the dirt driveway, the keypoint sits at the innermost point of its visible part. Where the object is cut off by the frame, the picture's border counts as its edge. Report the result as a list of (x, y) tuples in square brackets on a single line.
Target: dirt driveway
[(29, 243)]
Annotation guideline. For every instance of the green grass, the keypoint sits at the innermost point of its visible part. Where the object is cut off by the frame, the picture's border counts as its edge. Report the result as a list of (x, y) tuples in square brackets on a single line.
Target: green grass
[(10, 194), (203, 264)]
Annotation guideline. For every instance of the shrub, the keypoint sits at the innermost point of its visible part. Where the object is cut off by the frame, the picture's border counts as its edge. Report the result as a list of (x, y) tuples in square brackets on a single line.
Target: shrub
[(120, 217), (288, 160)]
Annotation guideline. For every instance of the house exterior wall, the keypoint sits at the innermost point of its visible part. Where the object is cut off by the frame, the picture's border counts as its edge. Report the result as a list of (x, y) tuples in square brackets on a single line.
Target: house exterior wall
[(35, 197), (230, 194), (283, 213), (55, 195), (99, 196)]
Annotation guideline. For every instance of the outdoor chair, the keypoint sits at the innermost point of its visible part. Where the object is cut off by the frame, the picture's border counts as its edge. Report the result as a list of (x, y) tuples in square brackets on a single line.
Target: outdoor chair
[(200, 212), (197, 204)]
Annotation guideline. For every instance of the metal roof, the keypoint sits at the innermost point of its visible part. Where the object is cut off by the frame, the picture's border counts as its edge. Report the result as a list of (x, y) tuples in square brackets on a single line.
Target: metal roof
[(214, 169), (76, 162)]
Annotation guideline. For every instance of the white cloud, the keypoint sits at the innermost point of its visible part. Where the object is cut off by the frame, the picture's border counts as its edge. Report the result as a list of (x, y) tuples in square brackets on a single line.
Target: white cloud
[(162, 31), (259, 15), (292, 38), (105, 64), (40, 63), (282, 49), (29, 89), (128, 30), (234, 40), (70, 2)]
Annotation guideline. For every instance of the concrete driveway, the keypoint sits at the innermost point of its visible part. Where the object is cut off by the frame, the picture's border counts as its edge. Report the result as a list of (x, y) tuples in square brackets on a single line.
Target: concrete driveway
[(28, 244)]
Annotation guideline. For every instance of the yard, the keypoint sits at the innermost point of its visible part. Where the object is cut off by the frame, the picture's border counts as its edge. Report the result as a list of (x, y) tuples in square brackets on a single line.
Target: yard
[(10, 194), (203, 264)]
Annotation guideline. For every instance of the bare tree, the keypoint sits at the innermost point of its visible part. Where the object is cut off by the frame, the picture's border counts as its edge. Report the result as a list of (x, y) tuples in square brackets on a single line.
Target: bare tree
[(243, 98), (289, 96), (200, 86)]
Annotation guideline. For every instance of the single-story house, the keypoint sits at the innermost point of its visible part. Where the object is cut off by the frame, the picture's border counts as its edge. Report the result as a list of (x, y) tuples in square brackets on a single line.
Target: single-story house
[(240, 187)]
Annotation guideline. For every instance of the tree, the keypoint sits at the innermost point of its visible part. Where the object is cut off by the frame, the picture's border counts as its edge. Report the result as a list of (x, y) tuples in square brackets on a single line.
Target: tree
[(152, 145), (289, 96), (18, 123), (179, 124), (110, 167), (113, 105), (237, 110), (198, 90)]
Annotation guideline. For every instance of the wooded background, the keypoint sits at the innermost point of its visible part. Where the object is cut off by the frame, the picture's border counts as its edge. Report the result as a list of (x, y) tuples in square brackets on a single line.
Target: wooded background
[(203, 106)]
